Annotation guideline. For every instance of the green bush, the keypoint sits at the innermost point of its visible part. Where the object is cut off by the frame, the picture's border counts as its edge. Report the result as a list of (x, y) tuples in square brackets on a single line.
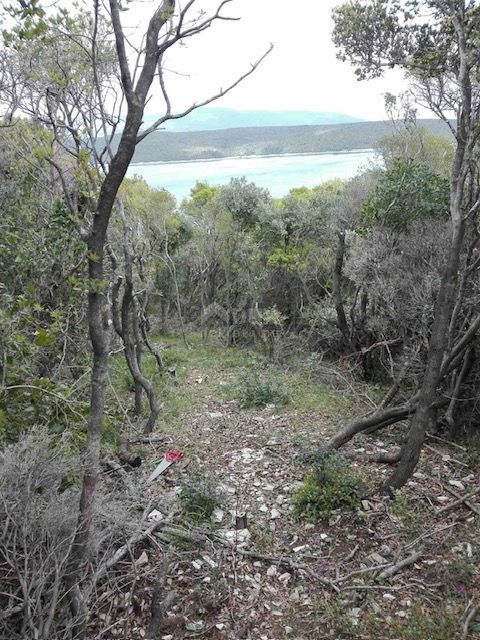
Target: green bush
[(257, 389), (199, 496), (330, 485), (406, 191)]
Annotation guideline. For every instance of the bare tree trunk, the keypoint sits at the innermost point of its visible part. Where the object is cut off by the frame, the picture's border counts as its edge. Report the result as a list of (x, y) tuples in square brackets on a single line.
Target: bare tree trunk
[(337, 288), (445, 303), (129, 318), (424, 414), (96, 300)]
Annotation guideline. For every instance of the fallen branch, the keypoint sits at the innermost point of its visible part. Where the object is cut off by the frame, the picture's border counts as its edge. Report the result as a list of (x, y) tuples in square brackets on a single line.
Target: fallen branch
[(8, 613), (473, 612), (379, 419), (122, 551), (350, 555), (278, 560), (461, 500), (159, 607), (285, 562), (120, 471), (358, 572), (429, 534), (406, 562), (439, 453), (432, 436)]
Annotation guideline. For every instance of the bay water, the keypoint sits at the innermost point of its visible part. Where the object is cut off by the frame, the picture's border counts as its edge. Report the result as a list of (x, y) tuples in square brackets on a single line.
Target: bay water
[(278, 174)]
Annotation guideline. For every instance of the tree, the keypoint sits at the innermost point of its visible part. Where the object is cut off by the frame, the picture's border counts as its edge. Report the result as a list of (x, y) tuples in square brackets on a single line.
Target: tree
[(440, 54), (81, 78)]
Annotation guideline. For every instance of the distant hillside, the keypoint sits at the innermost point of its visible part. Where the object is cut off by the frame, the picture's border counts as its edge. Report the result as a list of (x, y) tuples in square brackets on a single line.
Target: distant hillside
[(212, 119), (166, 146)]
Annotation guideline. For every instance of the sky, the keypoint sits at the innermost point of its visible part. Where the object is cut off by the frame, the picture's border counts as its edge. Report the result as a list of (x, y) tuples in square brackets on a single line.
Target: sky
[(301, 73)]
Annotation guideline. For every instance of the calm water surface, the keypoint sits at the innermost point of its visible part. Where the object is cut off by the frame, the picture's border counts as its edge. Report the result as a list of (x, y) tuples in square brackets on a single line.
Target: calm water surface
[(279, 174)]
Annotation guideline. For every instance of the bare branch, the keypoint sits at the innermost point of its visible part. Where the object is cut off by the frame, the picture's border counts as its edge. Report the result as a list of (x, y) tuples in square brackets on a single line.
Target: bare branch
[(169, 116)]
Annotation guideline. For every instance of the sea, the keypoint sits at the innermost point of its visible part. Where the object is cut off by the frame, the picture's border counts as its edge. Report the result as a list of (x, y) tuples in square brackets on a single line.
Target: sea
[(277, 173)]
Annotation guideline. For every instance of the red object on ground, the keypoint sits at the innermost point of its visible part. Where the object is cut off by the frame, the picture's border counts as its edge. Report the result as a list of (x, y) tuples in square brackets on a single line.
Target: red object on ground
[(173, 456)]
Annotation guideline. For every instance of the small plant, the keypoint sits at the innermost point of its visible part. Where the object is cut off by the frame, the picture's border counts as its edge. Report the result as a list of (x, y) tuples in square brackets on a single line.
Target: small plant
[(330, 485), (334, 615), (257, 389), (442, 625), (199, 496), (400, 506)]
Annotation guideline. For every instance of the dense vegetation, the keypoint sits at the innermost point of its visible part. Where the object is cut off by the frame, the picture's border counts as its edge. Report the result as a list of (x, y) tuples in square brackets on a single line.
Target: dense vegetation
[(165, 146), (257, 335)]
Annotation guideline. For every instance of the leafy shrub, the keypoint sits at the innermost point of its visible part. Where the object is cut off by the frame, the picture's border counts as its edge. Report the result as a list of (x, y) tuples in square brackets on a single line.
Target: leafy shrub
[(407, 191), (330, 485), (400, 505), (257, 389), (199, 496)]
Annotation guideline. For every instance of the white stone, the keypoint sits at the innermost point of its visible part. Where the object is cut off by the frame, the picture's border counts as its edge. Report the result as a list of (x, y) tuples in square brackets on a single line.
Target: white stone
[(142, 560), (218, 515), (389, 596)]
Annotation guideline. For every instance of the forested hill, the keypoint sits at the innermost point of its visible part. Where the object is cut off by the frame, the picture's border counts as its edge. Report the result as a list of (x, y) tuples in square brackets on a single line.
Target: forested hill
[(194, 145)]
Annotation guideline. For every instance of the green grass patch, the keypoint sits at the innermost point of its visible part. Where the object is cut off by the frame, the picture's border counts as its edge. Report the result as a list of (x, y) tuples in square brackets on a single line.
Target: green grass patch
[(307, 394), (258, 388)]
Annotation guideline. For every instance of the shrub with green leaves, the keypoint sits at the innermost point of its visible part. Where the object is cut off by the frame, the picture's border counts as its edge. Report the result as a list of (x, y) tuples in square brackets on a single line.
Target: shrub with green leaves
[(199, 495), (407, 191), (332, 484), (258, 388)]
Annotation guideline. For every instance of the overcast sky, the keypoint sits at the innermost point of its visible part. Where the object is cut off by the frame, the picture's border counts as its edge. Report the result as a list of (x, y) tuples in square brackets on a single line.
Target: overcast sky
[(302, 71)]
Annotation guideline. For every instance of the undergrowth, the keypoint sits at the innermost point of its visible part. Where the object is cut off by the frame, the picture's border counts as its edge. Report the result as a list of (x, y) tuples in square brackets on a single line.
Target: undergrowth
[(258, 389), (199, 496), (331, 484)]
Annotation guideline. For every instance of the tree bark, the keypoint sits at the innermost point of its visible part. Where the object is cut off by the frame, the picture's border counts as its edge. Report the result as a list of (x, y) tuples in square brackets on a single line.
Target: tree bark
[(445, 303), (337, 289), (96, 299)]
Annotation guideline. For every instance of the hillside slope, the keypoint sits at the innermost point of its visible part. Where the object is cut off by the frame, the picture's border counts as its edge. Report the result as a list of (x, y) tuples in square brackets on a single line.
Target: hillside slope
[(164, 146)]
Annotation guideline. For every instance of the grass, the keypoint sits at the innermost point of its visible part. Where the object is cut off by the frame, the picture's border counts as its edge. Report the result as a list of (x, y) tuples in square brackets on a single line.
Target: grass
[(218, 367), (182, 394), (307, 394), (199, 496), (254, 388)]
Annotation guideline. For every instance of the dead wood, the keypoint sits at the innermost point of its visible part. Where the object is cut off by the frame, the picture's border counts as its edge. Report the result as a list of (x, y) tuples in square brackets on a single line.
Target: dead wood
[(197, 536), (461, 500), (466, 625), (159, 607), (396, 568)]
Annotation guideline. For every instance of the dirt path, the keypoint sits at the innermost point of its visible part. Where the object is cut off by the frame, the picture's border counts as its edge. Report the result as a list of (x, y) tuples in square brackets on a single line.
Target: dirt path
[(323, 579)]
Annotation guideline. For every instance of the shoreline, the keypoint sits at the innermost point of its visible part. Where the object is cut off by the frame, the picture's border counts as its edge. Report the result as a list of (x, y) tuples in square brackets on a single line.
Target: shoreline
[(251, 157)]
